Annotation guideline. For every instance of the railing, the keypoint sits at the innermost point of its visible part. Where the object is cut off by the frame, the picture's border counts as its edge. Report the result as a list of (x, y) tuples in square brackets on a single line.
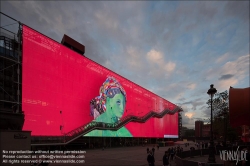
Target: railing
[(86, 128)]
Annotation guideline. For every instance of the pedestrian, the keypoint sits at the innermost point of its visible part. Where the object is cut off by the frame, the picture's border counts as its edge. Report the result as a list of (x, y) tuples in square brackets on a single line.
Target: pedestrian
[(165, 159), (178, 150), (175, 151), (172, 154), (151, 159), (147, 150), (153, 150)]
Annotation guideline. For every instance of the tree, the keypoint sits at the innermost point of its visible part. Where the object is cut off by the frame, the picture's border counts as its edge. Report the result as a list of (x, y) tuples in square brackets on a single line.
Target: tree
[(221, 125), (220, 104), (190, 133)]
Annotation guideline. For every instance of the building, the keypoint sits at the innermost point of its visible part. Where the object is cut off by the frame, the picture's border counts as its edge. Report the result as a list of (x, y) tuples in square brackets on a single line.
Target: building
[(66, 97), (239, 110), (198, 128), (201, 129), (206, 130)]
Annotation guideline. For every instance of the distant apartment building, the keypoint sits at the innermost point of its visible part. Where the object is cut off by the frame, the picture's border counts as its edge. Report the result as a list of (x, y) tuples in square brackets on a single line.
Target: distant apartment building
[(198, 128), (201, 129), (206, 130)]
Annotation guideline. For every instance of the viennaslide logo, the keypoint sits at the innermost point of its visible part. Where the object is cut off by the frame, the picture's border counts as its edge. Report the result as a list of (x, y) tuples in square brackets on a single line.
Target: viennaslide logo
[(232, 155)]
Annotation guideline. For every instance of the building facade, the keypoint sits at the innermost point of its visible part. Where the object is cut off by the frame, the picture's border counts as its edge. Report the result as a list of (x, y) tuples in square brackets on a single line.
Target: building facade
[(206, 130), (198, 128), (65, 95)]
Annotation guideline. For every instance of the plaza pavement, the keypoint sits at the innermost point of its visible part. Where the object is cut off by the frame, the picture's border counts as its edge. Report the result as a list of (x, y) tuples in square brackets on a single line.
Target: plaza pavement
[(134, 156)]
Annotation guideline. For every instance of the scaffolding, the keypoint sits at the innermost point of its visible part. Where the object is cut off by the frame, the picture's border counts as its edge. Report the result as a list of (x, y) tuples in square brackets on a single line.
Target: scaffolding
[(10, 74)]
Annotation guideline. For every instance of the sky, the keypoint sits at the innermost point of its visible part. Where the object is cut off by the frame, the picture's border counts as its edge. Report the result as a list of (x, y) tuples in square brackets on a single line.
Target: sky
[(175, 49)]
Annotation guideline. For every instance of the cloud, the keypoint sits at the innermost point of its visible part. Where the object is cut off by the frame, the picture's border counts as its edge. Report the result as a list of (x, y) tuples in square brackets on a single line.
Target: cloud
[(191, 86), (222, 58), (239, 67), (182, 99), (179, 96), (194, 103), (226, 76), (169, 67), (239, 9), (155, 56), (207, 112), (185, 103), (188, 120), (225, 84), (158, 67), (134, 61), (189, 114), (229, 74), (233, 72)]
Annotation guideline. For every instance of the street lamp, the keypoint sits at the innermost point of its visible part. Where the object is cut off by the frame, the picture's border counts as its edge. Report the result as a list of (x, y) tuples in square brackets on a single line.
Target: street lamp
[(211, 157)]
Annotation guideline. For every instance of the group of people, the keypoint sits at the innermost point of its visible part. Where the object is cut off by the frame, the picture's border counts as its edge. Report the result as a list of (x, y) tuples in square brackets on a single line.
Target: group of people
[(167, 157), (201, 145)]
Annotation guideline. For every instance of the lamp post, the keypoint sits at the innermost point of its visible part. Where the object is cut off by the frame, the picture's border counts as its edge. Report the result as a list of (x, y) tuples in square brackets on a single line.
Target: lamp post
[(211, 157)]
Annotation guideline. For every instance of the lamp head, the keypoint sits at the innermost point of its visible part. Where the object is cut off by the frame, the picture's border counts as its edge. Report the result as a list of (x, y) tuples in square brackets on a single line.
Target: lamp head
[(212, 90)]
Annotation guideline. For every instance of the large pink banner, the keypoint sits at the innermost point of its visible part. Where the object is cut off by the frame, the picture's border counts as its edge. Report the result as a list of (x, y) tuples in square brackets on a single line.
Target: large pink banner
[(62, 88)]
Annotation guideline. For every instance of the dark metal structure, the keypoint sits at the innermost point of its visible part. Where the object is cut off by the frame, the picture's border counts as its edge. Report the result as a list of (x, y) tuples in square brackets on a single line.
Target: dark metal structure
[(180, 125), (211, 157), (11, 115), (73, 45)]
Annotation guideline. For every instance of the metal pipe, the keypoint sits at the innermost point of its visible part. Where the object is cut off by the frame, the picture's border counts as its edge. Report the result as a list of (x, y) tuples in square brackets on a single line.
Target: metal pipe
[(9, 17), (7, 30), (18, 67)]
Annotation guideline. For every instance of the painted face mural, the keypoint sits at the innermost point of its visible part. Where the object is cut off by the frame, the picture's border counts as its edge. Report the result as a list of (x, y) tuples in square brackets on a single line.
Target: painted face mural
[(116, 105), (108, 107), (112, 100)]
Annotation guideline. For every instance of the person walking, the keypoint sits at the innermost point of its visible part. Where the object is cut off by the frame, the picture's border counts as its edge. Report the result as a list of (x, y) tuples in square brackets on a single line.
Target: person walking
[(175, 151), (153, 150), (172, 154), (151, 159), (165, 159)]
